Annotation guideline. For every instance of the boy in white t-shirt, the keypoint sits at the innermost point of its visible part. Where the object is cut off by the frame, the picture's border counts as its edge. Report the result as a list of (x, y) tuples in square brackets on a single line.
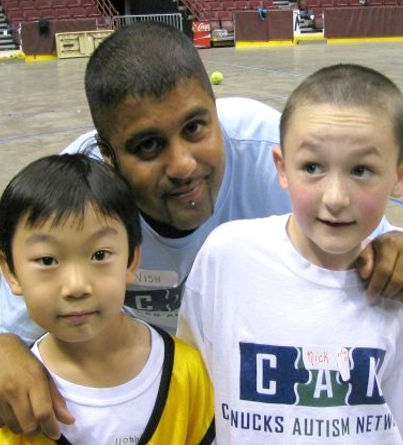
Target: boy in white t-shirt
[(295, 351), (70, 242)]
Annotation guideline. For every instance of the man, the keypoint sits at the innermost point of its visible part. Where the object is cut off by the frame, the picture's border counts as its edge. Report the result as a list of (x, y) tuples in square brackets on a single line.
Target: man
[(192, 164)]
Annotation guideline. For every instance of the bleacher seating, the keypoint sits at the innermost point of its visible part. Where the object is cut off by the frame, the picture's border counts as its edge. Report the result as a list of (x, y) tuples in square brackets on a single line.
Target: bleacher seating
[(19, 11), (220, 12)]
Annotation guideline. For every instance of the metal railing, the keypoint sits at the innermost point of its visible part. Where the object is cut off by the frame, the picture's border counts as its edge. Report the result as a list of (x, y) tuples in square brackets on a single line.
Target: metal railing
[(174, 20), (195, 8), (106, 8)]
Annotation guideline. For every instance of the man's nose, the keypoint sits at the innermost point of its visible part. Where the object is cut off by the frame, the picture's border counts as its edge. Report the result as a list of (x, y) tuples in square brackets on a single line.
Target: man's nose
[(180, 161)]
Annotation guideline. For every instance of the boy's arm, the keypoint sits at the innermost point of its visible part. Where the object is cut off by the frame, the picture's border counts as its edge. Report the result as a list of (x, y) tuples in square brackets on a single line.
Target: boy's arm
[(29, 400)]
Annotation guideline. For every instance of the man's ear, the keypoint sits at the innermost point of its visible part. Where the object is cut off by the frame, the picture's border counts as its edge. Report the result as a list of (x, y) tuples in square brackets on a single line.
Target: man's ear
[(106, 150), (279, 162), (10, 277), (131, 270), (397, 190)]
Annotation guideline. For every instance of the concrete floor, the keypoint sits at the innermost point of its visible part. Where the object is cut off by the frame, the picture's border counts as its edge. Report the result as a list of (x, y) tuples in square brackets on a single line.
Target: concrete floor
[(43, 105)]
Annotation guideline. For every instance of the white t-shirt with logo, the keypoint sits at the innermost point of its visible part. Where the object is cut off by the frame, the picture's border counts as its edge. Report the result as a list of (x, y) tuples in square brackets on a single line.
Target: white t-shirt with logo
[(295, 352)]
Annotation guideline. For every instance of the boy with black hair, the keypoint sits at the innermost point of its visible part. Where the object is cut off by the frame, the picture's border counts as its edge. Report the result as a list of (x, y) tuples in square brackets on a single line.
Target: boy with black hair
[(295, 351), (70, 242)]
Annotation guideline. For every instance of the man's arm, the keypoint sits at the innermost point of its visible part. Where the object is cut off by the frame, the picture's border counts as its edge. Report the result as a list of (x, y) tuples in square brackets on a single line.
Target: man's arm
[(380, 265), (29, 400)]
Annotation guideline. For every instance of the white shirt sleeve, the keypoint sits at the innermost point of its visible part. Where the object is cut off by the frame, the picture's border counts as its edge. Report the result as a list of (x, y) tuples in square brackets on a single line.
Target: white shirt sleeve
[(392, 387), (192, 325)]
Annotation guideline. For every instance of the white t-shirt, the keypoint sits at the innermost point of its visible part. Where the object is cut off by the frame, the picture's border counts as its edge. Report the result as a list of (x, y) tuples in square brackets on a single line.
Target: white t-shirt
[(115, 415), (295, 352)]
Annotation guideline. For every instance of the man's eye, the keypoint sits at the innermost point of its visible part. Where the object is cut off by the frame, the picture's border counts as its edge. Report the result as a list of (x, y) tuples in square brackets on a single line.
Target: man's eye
[(100, 255), (148, 146), (147, 149), (193, 129), (47, 261)]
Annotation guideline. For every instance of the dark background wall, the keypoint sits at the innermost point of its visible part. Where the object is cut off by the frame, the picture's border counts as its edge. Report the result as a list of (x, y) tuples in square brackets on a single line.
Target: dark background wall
[(146, 6)]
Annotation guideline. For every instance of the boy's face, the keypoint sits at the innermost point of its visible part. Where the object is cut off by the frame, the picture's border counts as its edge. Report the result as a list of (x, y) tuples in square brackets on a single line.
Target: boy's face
[(73, 277), (340, 165), (171, 151)]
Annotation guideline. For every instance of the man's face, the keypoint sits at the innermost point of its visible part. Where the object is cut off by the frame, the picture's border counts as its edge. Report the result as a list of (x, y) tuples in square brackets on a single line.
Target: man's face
[(171, 151)]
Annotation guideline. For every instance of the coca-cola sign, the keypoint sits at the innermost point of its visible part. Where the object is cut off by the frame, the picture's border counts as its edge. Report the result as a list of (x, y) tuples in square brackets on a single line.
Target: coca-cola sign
[(201, 26)]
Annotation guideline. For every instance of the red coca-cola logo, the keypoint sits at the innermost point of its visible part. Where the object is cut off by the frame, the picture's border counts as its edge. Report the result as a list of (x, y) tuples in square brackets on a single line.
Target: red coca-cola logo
[(201, 26)]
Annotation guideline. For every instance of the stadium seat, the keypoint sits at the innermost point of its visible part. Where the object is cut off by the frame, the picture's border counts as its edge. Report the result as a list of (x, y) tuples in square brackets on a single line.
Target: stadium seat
[(15, 16), (59, 3), (27, 4), (241, 5), (225, 15), (268, 4), (211, 15), (31, 15), (43, 4), (228, 25), (92, 11), (229, 5), (87, 3), (215, 6), (390, 2), (10, 5), (327, 3), (101, 21), (255, 4), (78, 13), (73, 3), (215, 24), (48, 14), (63, 13)]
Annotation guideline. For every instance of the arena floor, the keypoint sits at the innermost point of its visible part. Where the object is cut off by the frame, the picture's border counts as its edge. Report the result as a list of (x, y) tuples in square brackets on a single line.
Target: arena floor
[(43, 105)]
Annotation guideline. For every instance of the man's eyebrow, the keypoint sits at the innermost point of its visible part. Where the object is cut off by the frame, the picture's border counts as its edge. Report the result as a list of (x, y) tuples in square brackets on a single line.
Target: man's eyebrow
[(196, 112)]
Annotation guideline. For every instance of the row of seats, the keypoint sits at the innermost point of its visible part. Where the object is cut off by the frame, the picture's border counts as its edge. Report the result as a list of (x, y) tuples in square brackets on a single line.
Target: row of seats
[(18, 11), (17, 16), (233, 5), (220, 13), (344, 3), (45, 4), (323, 4)]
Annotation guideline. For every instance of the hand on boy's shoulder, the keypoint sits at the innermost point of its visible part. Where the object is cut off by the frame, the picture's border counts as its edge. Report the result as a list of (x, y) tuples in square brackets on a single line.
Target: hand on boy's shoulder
[(380, 265)]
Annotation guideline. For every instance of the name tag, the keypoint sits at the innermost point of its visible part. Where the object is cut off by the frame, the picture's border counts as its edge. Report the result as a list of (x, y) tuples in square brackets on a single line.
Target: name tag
[(328, 357), (156, 278)]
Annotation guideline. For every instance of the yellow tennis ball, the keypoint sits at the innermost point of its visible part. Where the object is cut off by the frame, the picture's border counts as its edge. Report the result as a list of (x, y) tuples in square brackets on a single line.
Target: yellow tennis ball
[(216, 78)]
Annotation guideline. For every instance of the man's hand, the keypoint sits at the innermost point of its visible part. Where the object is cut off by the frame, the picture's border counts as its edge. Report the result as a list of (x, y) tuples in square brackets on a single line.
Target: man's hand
[(29, 400), (381, 265)]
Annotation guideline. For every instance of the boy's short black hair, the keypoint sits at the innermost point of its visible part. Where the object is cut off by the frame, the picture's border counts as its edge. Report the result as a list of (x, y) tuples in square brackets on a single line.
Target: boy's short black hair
[(348, 85), (144, 59), (60, 186)]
